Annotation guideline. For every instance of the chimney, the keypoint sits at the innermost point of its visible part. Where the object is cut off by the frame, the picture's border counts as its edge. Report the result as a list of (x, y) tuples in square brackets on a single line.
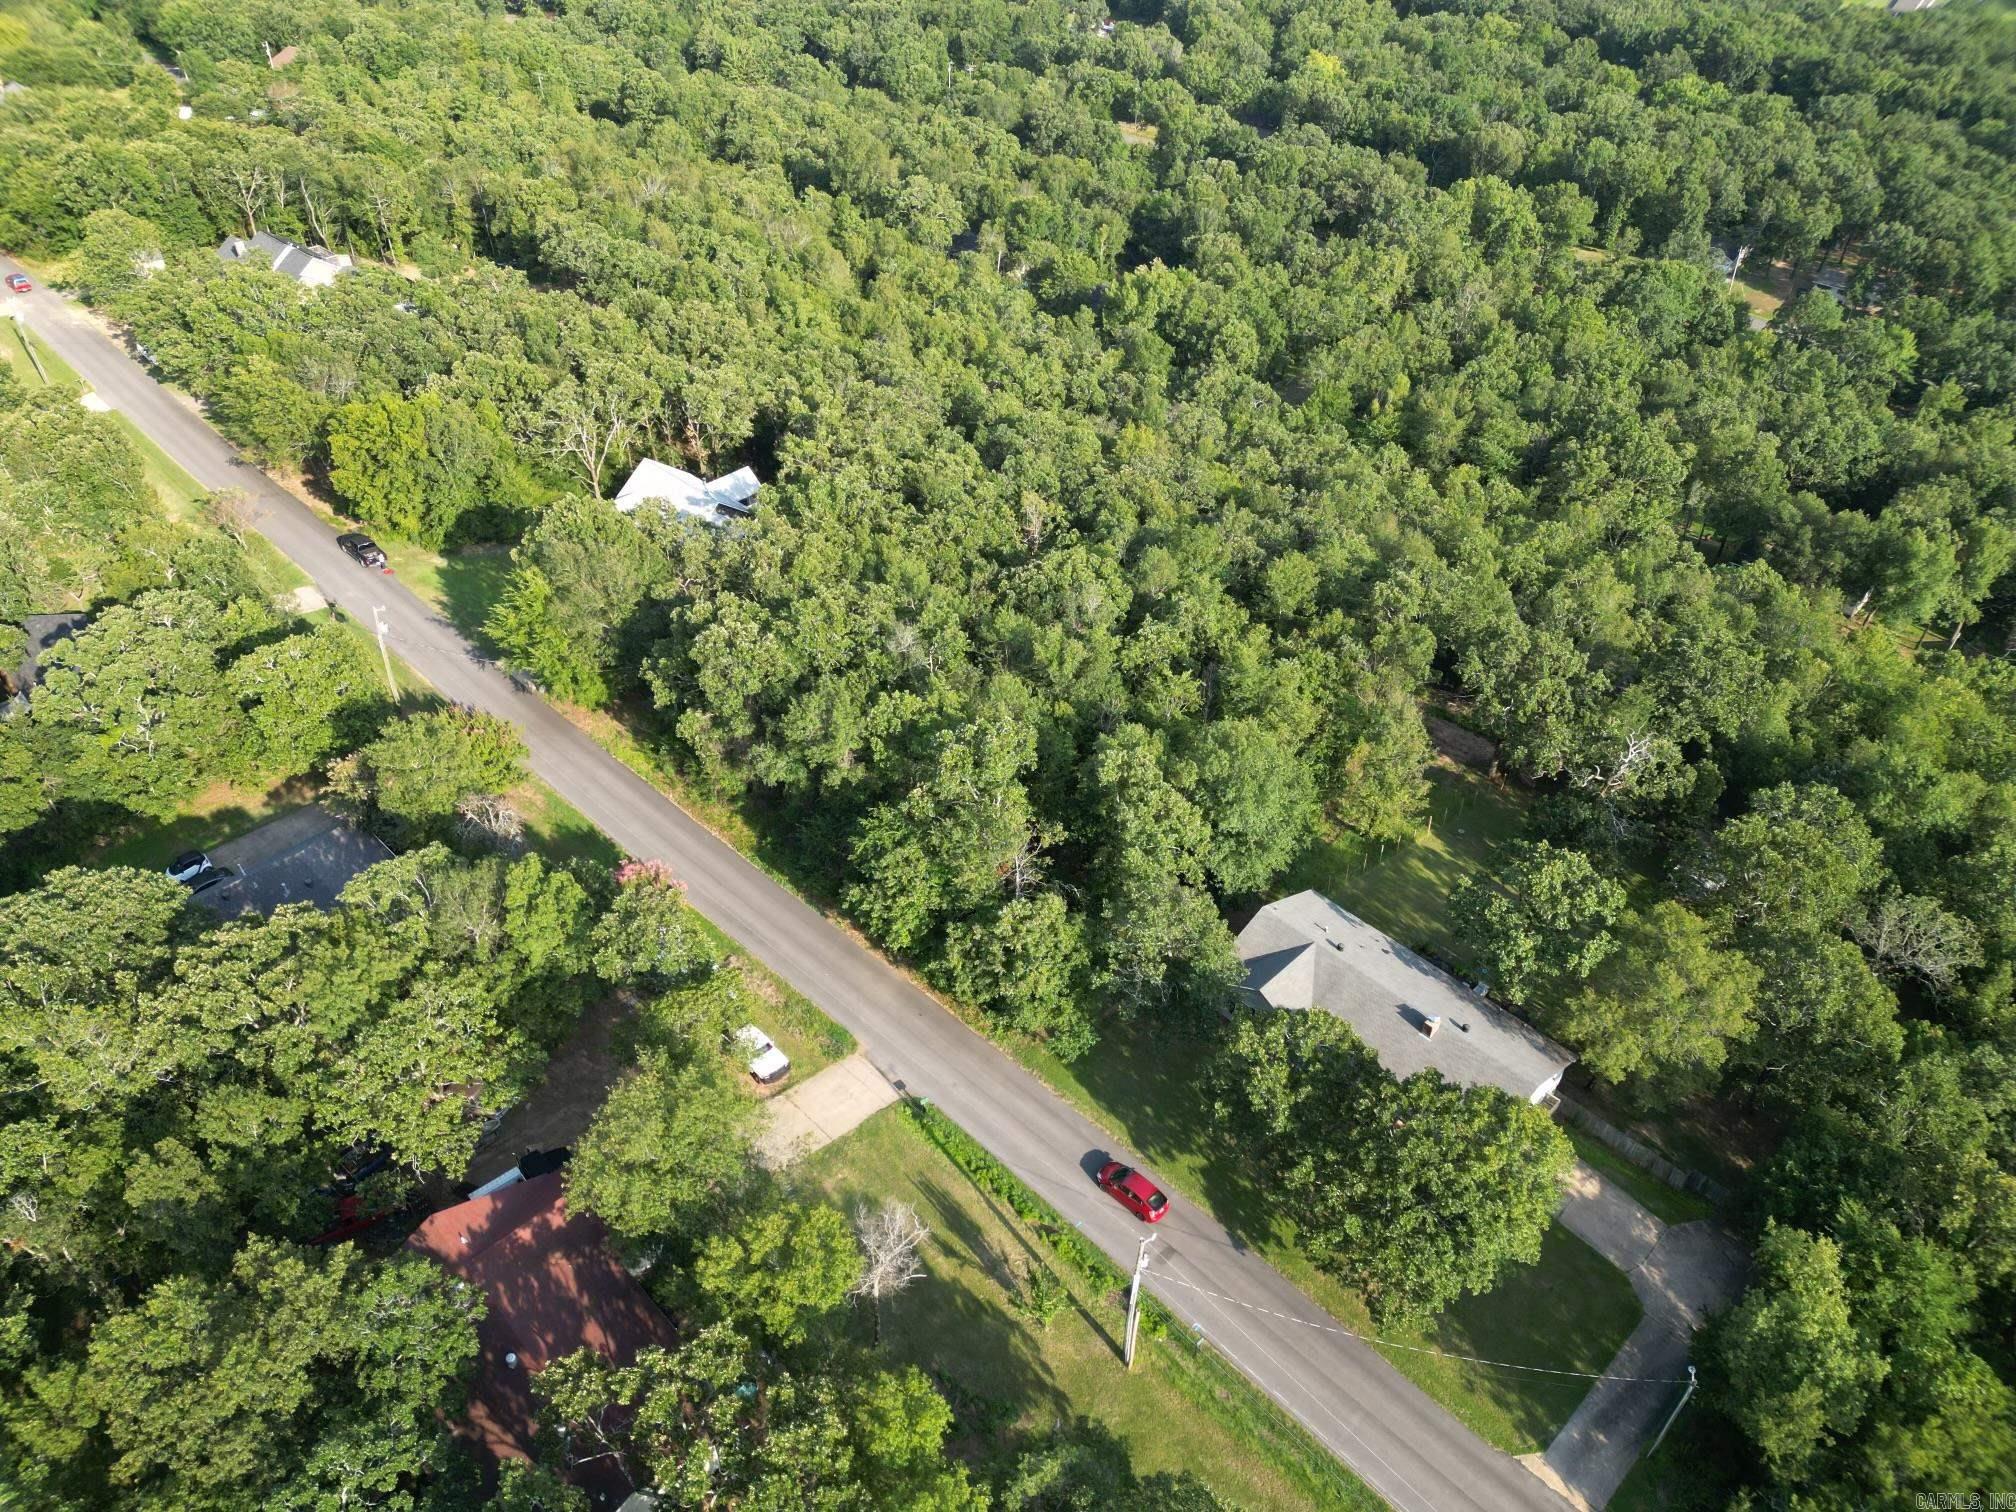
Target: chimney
[(1429, 1024)]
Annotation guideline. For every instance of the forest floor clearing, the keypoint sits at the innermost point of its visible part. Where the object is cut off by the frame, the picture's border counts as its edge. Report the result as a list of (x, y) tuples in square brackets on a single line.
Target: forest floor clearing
[(1009, 1378)]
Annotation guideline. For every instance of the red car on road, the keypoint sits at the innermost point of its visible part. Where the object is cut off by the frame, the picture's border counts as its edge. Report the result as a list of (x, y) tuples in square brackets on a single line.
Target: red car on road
[(18, 282), (1133, 1191)]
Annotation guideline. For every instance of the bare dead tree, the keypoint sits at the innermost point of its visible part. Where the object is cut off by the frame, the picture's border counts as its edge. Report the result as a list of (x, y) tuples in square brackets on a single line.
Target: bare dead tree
[(889, 1237), (1908, 935), (1638, 753), (316, 223), (590, 420), (232, 511), (250, 187), (490, 821)]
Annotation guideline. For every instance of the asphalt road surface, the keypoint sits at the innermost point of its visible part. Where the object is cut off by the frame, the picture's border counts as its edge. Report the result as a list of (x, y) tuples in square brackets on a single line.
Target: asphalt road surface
[(1405, 1446)]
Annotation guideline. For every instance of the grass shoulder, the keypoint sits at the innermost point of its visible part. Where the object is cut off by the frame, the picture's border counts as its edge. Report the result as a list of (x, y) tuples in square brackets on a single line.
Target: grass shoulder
[(1010, 1378), (1569, 1311)]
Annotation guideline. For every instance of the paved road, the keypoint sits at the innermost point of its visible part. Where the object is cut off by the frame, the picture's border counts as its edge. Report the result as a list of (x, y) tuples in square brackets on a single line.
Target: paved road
[(1410, 1450)]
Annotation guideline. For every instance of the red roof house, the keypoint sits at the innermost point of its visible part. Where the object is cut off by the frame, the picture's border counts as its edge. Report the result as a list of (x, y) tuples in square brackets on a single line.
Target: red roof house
[(553, 1287)]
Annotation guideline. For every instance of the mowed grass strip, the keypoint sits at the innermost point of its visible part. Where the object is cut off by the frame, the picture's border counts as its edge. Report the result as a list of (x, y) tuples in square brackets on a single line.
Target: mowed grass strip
[(1181, 1409)]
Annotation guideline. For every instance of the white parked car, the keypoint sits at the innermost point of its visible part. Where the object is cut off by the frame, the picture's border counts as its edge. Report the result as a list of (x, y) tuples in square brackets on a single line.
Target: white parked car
[(188, 866), (767, 1064)]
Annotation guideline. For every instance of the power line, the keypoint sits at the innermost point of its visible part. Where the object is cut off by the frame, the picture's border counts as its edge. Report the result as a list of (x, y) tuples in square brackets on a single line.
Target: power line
[(1440, 1354)]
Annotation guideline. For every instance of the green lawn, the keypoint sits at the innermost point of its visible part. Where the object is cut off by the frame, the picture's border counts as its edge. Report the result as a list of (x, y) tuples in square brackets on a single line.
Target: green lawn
[(461, 586), (557, 830), (218, 813), (1181, 1409), (1668, 1204), (1404, 888), (54, 369), (1570, 1311)]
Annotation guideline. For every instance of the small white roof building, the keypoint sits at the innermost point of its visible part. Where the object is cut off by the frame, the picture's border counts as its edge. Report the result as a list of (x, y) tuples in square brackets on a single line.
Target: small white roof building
[(674, 488), (1305, 952)]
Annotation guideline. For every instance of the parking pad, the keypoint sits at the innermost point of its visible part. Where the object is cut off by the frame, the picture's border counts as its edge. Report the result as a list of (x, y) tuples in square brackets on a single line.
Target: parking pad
[(311, 869)]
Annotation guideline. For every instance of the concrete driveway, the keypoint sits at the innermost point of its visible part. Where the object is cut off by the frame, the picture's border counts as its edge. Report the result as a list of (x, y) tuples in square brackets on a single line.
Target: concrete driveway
[(1680, 1273), (818, 1111)]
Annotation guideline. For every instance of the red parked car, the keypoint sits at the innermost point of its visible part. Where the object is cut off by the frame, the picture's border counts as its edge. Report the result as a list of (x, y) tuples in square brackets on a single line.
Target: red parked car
[(1133, 1191), (18, 282)]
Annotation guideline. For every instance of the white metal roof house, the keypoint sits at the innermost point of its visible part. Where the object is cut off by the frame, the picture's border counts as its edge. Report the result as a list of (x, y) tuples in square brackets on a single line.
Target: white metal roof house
[(315, 266), (1304, 952), (674, 488)]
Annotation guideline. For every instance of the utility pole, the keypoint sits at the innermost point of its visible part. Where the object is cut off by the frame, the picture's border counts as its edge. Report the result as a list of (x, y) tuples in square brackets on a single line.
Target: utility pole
[(1692, 1382), (378, 619), (1134, 1299)]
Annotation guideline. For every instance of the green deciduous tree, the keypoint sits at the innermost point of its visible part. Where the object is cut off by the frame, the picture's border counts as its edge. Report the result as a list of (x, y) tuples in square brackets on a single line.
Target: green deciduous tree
[(715, 1420), (414, 466), (1798, 1372), (1665, 1009), (1414, 1191), (957, 841), (116, 252), (308, 696), (142, 689), (668, 1148), (1258, 799), (649, 937), (1798, 860), (1026, 962), (300, 1370), (1542, 925), (1158, 929), (578, 583), (779, 1269), (420, 768)]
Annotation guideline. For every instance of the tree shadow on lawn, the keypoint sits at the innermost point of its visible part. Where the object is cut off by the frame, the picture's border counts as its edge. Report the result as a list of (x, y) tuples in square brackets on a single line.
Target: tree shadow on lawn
[(472, 580), (952, 1328), (1151, 1087), (1571, 1310), (989, 1257)]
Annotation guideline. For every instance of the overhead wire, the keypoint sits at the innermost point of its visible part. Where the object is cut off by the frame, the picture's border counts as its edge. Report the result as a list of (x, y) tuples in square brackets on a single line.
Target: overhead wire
[(1442, 1354)]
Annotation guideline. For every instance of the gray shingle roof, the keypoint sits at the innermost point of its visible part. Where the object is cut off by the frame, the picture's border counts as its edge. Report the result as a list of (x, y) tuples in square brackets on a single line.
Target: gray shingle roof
[(1305, 952), (287, 257)]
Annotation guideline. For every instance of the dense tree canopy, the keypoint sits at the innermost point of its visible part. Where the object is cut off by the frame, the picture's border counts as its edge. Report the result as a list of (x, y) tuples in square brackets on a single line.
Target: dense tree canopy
[(1415, 1191), (1147, 421)]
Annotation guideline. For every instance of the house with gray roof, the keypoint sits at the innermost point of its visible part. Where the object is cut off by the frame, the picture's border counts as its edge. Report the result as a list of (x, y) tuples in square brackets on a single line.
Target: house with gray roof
[(314, 266), (1305, 954)]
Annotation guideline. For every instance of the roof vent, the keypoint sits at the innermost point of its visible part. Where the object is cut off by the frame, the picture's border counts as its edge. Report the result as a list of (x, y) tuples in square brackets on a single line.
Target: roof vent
[(1430, 1024)]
